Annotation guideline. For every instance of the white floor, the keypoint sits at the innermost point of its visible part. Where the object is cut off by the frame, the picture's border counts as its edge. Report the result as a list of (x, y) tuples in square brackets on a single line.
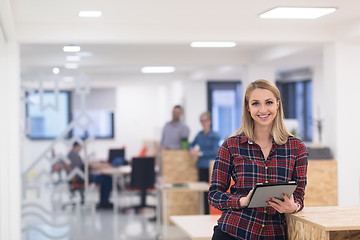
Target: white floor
[(43, 218)]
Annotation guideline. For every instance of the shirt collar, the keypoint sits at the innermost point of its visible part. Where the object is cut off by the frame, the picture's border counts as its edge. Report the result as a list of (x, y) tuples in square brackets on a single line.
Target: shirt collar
[(244, 139)]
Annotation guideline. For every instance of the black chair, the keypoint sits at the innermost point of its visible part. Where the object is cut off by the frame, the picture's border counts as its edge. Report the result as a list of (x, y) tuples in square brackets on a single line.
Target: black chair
[(142, 178)]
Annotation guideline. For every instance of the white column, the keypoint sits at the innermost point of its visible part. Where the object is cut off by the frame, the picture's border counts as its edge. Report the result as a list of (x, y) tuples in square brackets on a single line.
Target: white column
[(10, 221), (341, 113), (318, 103)]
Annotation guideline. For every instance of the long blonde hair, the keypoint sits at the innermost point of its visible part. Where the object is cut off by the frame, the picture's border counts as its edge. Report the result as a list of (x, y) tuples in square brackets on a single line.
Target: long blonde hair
[(278, 130)]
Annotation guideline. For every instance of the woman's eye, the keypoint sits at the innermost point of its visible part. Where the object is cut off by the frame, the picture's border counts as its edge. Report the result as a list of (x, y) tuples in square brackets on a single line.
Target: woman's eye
[(254, 103), (269, 102)]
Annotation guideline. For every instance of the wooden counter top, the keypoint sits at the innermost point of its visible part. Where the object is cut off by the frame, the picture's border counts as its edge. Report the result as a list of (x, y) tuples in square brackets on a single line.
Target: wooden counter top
[(197, 227), (330, 218)]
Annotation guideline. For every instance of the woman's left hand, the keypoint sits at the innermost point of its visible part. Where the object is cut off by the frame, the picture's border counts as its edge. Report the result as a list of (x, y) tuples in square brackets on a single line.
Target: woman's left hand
[(288, 205)]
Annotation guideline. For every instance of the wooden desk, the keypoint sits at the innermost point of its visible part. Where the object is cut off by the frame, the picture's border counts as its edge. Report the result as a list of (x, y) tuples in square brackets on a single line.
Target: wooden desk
[(325, 223), (197, 227), (182, 200), (116, 172)]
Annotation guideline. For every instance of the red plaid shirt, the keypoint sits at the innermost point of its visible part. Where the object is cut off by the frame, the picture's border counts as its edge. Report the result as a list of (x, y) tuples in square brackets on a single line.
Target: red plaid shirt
[(242, 160)]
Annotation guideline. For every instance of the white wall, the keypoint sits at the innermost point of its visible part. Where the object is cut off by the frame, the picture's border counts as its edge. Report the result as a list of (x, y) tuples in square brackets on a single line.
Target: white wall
[(10, 223), (342, 105)]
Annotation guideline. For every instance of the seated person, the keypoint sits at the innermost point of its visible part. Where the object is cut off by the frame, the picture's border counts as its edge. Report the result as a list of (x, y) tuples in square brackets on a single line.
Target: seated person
[(115, 159), (104, 181), (77, 182)]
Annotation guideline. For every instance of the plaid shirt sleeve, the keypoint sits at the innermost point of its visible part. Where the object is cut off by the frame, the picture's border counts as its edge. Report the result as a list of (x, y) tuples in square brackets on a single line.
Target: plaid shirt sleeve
[(220, 182)]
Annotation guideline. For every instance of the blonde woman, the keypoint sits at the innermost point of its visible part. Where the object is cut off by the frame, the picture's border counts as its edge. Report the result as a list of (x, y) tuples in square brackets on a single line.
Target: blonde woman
[(260, 151), (205, 147)]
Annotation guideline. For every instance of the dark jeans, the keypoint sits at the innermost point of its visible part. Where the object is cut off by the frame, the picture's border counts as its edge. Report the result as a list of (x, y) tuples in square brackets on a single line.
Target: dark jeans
[(105, 183), (220, 235), (203, 174)]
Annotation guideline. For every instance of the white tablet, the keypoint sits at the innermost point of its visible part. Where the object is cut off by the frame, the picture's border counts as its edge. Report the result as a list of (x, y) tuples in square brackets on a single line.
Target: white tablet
[(264, 191)]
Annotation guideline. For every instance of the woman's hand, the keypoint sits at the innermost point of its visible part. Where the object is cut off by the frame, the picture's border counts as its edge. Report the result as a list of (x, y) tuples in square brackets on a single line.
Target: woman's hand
[(194, 152), (244, 201), (286, 206)]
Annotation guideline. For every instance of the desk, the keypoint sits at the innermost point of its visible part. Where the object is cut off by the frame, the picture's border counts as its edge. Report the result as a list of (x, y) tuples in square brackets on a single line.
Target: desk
[(116, 172), (182, 200), (325, 223), (197, 227)]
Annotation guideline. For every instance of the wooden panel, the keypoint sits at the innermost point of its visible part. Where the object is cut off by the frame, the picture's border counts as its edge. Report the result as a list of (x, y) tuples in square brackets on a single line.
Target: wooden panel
[(181, 203), (177, 166), (333, 223), (321, 189), (298, 230), (342, 235)]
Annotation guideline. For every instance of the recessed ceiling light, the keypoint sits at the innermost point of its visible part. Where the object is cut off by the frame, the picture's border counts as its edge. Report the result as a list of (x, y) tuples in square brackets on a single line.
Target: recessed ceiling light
[(158, 69), (90, 14), (56, 70), (71, 65), (68, 79), (84, 54), (297, 12), (71, 48), (74, 58), (213, 44)]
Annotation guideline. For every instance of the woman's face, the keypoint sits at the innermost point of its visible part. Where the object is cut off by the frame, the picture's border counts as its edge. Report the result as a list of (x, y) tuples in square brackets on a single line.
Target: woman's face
[(263, 107)]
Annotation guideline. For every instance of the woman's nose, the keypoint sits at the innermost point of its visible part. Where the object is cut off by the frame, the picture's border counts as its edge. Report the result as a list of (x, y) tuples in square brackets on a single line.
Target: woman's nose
[(263, 108)]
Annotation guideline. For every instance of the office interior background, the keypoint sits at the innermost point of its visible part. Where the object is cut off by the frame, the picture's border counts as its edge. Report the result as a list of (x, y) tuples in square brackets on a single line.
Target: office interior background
[(315, 62)]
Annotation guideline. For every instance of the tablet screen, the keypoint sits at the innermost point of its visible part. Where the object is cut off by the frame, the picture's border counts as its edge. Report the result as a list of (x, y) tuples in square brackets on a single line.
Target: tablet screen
[(264, 191)]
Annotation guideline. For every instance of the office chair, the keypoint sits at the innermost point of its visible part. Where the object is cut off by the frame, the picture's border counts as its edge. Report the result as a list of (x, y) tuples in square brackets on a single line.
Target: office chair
[(143, 178), (75, 184)]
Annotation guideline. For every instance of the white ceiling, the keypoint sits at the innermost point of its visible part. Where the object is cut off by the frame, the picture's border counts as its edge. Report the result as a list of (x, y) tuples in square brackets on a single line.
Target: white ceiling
[(135, 33)]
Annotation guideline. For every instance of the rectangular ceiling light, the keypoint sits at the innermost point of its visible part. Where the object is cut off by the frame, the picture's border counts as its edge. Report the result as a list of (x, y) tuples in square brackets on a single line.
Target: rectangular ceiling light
[(297, 12), (71, 48), (213, 44), (90, 14), (159, 69), (71, 65), (74, 58)]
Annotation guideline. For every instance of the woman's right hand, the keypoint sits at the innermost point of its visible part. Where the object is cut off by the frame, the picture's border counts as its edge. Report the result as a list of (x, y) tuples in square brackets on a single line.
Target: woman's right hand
[(244, 201), (194, 152)]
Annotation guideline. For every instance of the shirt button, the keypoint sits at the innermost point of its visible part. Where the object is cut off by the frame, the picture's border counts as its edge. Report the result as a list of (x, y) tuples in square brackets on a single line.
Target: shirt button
[(265, 211), (263, 225), (266, 181)]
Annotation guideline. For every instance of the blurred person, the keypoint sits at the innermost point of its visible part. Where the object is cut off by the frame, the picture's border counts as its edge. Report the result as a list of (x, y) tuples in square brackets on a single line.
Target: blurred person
[(103, 181), (174, 131), (77, 182), (205, 147), (260, 151)]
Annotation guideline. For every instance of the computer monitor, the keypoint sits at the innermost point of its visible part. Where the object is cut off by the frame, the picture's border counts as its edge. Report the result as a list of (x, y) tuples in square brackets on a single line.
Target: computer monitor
[(116, 157)]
